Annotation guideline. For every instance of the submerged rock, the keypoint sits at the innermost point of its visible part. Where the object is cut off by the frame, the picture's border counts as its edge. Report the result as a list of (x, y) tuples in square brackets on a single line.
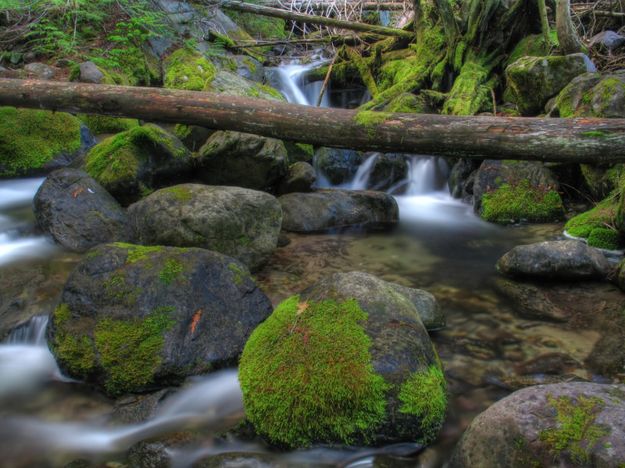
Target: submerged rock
[(133, 163), (238, 222), (534, 80), (347, 362), (133, 318), (566, 424), (242, 160), (77, 212), (566, 260), (331, 209), (531, 301)]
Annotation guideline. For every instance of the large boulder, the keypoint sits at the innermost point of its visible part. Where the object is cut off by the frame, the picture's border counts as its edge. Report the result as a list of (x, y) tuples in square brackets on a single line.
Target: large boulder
[(77, 212), (512, 191), (135, 162), (330, 209), (532, 81), (337, 165), (592, 95), (243, 160), (566, 260), (567, 424), (133, 318), (34, 142), (347, 362), (238, 222), (231, 84)]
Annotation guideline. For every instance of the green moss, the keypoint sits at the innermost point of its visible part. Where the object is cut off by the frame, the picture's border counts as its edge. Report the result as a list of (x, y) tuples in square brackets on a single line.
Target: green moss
[(130, 350), (137, 253), (407, 103), (76, 350), (515, 202), (31, 138), (424, 394), (99, 124), (576, 432), (258, 26), (600, 217), (179, 192), (370, 120), (604, 238), (533, 46), (471, 91), (306, 375), (239, 275), (189, 70), (595, 134), (171, 271)]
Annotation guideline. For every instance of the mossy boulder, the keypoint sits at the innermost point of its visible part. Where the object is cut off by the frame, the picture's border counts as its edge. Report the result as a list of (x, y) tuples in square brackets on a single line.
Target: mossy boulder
[(332, 209), (189, 70), (511, 191), (336, 165), (242, 160), (568, 424), (597, 225), (102, 124), (135, 318), (77, 212), (231, 84), (535, 80), (135, 162), (533, 45), (601, 180), (299, 152), (238, 222), (386, 385), (258, 26), (592, 95), (35, 142)]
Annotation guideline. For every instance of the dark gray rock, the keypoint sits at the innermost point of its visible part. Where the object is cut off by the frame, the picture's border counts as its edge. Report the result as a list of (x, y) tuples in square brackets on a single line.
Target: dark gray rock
[(430, 312), (462, 178), (337, 165), (531, 301), (566, 260), (77, 212), (388, 170), (565, 424), (135, 318), (299, 178), (608, 40), (249, 68), (40, 71), (90, 73), (330, 209), (239, 222)]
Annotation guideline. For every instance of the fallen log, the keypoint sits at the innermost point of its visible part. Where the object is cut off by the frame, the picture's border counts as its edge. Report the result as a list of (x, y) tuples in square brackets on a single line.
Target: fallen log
[(320, 5), (536, 139), (311, 19)]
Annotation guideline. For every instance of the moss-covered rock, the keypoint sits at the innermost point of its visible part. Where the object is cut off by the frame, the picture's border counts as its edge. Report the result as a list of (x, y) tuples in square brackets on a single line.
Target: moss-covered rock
[(601, 180), (592, 95), (229, 83), (101, 124), (336, 165), (512, 191), (569, 424), (258, 26), (296, 391), (133, 318), (597, 225), (37, 141), (137, 161), (188, 69), (533, 46), (534, 80)]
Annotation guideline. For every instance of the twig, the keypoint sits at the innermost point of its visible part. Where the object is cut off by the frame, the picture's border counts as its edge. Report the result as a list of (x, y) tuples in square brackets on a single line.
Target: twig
[(326, 80)]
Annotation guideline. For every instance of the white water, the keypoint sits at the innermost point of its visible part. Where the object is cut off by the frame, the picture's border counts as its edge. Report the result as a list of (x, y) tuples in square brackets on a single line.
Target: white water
[(363, 174), (289, 79), (16, 239)]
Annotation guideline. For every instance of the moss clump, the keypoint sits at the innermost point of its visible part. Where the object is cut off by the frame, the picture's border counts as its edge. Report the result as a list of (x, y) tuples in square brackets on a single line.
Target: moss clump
[(129, 350), (407, 103), (99, 124), (31, 138), (370, 120), (424, 394), (595, 134), (187, 69), (516, 202), (306, 375), (257, 26), (171, 271), (604, 238), (75, 350), (471, 91), (239, 275), (533, 46), (180, 193), (137, 253), (600, 217), (576, 433)]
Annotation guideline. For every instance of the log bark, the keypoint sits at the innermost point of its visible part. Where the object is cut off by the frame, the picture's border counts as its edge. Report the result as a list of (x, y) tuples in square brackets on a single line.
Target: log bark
[(311, 19), (320, 5), (536, 139), (567, 34)]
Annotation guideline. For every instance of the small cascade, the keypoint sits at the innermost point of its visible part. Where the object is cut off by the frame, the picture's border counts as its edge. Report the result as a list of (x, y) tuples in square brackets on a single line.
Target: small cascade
[(289, 80), (426, 174), (363, 174), (32, 332)]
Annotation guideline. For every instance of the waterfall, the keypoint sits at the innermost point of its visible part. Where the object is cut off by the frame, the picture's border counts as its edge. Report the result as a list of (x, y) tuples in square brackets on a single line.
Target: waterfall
[(32, 332), (289, 80), (363, 174)]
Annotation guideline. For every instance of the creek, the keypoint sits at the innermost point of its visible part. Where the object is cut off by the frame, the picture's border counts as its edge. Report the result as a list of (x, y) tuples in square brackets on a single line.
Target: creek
[(440, 245)]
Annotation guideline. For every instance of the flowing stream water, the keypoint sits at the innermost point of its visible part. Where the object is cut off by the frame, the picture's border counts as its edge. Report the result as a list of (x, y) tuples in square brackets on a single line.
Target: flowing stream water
[(439, 245)]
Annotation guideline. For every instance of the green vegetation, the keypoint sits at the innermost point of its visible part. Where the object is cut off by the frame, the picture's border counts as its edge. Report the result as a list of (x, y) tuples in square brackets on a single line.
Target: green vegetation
[(239, 275), (181, 193), (307, 377), (520, 201), (129, 350), (31, 138), (576, 433), (188, 69), (171, 271), (74, 349), (99, 124), (137, 253), (604, 238), (370, 120), (424, 394), (597, 225), (533, 46), (258, 26), (471, 92)]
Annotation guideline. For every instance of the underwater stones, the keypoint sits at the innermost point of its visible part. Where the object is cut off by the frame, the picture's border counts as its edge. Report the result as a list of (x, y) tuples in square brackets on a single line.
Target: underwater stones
[(566, 260), (337, 165), (534, 80), (134, 318), (331, 209), (300, 177), (531, 301), (370, 370), (77, 212), (137, 161), (592, 95), (242, 160), (512, 191), (35, 141), (238, 222), (564, 424)]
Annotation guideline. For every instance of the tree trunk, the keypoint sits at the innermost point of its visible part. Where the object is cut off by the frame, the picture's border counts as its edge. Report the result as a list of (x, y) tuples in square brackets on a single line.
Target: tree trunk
[(320, 5), (567, 34), (289, 15), (539, 139), (544, 23)]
